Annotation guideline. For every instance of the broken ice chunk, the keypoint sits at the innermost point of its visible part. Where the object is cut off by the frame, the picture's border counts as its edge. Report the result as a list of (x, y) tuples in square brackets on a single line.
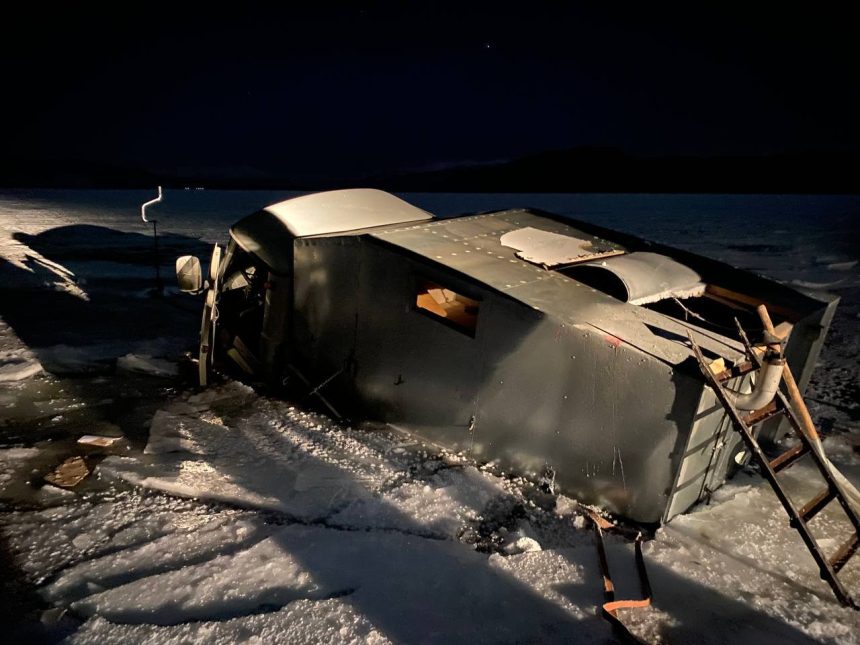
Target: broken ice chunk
[(521, 545), (99, 441)]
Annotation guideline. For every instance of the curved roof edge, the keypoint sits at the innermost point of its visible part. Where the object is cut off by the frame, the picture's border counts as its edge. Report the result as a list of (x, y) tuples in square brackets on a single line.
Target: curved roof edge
[(340, 211)]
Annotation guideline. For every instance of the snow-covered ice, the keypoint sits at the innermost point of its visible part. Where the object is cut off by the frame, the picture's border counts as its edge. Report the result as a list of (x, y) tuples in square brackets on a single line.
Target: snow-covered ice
[(381, 535), (13, 461), (18, 365), (235, 517), (147, 365)]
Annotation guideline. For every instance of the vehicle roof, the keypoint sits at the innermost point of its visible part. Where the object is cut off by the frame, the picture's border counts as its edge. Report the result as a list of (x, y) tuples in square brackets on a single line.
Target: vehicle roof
[(472, 246), (340, 211), (269, 233)]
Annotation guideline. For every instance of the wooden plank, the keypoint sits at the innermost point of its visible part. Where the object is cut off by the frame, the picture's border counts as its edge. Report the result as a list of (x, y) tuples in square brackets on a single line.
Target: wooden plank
[(722, 292)]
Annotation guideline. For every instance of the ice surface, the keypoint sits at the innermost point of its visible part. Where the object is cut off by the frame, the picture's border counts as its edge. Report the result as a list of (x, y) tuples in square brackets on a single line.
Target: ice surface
[(18, 367), (147, 365), (711, 585), (13, 462), (246, 519), (145, 356), (17, 361), (36, 269), (270, 459), (411, 589), (299, 623), (177, 549)]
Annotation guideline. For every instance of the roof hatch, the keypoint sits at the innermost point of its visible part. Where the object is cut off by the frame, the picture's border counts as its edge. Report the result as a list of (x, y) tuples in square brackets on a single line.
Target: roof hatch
[(638, 278), (551, 250)]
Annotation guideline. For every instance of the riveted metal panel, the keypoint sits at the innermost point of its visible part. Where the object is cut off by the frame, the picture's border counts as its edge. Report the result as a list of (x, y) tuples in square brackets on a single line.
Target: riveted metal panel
[(325, 308), (604, 415), (471, 246), (554, 374), (411, 368)]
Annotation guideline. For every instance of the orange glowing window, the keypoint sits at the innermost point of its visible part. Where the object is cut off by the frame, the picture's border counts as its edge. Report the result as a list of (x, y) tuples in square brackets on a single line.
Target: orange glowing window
[(455, 309)]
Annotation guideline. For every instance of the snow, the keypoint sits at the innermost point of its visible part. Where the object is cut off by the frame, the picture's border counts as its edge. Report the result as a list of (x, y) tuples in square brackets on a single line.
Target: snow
[(18, 368), (301, 622), (276, 457), (18, 365), (146, 357), (147, 365), (236, 517), (521, 544), (372, 539), (17, 361), (410, 588), (13, 461)]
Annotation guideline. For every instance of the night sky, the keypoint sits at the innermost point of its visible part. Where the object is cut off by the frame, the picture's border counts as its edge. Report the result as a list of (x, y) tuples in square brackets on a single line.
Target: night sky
[(357, 88)]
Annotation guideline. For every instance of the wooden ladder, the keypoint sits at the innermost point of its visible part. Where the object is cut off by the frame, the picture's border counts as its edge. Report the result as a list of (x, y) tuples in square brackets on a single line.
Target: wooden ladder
[(799, 517)]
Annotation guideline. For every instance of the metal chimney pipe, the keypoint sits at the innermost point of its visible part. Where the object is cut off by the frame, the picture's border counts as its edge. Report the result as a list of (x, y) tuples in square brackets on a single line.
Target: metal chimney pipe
[(159, 286)]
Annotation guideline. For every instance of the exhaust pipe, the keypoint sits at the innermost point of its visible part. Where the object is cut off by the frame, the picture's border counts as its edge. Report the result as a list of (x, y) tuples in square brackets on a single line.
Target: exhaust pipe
[(159, 285), (767, 383)]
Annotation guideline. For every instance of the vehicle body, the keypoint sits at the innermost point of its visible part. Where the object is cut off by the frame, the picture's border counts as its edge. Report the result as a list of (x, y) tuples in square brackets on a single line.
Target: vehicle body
[(516, 336)]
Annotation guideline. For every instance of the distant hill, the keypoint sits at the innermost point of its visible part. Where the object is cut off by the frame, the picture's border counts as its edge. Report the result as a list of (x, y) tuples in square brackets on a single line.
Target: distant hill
[(609, 170), (587, 169), (64, 173)]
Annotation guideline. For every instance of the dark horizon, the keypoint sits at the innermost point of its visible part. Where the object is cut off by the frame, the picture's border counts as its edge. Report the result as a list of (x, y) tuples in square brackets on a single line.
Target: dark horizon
[(334, 94), (578, 170)]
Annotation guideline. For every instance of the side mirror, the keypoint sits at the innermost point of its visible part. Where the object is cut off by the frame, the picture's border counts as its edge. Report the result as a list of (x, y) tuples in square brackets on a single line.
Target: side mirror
[(189, 275)]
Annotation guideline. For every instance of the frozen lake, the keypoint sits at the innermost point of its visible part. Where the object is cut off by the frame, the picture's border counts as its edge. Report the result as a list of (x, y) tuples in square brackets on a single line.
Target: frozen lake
[(229, 516), (807, 238)]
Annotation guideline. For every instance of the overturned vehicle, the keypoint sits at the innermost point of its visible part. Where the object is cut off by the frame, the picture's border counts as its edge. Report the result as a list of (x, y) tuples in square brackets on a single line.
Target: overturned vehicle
[(518, 336)]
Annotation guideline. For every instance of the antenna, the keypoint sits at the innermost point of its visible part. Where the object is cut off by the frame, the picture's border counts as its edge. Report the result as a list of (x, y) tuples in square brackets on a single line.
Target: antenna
[(159, 286)]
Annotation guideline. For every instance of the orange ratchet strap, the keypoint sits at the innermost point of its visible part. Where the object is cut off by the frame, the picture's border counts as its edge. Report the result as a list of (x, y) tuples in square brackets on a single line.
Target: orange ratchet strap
[(610, 607)]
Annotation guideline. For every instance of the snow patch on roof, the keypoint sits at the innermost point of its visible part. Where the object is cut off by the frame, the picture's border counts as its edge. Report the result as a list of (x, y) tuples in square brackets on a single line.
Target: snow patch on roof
[(339, 211), (553, 249)]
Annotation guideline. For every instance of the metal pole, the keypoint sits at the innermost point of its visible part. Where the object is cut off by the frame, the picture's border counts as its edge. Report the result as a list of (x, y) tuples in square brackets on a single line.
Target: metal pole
[(159, 286)]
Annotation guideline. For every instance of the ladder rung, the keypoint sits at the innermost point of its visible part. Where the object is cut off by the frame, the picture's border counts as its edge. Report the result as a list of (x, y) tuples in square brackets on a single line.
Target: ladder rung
[(841, 557), (789, 457), (814, 506), (762, 414)]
